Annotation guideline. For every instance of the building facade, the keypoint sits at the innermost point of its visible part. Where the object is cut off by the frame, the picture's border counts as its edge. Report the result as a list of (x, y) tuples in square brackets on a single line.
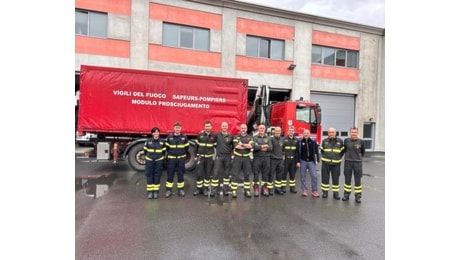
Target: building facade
[(338, 64)]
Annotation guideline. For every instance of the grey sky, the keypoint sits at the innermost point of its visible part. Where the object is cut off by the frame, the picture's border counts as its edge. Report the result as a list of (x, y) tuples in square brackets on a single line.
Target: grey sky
[(368, 12)]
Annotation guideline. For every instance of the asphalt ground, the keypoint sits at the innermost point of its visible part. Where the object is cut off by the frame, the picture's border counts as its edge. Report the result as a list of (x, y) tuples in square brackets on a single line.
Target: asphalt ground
[(121, 223)]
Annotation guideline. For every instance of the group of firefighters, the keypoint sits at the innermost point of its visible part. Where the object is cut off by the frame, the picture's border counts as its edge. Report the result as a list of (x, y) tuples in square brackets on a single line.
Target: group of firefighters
[(272, 161)]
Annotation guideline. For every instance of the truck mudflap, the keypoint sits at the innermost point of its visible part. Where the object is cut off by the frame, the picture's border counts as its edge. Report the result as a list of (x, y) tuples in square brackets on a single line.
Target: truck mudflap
[(135, 156)]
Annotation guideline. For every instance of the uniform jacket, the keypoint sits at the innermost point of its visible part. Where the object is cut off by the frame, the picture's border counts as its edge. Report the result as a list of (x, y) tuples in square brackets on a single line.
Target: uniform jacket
[(354, 150), (154, 149), (290, 146), (332, 150), (224, 144), (277, 147), (247, 139), (205, 144), (177, 145), (258, 141)]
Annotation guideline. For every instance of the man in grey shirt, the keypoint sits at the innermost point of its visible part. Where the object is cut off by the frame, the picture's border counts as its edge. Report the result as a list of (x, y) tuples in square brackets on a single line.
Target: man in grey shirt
[(354, 152)]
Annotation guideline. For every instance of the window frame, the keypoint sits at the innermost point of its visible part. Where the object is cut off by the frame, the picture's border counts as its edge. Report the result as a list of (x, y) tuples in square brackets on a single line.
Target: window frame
[(323, 55), (265, 53), (95, 27), (198, 43)]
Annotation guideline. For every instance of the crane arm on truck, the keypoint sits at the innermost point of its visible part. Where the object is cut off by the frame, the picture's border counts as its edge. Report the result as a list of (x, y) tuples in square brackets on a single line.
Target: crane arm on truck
[(259, 110), (299, 114)]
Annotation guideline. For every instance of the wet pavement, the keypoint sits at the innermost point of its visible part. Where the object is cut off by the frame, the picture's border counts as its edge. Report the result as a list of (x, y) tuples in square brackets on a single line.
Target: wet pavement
[(121, 223)]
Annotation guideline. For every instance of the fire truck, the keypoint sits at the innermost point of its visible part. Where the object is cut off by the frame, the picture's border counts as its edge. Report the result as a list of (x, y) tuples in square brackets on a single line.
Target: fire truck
[(118, 107)]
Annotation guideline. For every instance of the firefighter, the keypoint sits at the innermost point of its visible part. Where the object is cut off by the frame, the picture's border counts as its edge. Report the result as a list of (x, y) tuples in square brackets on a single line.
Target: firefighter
[(276, 162), (332, 150), (154, 149), (223, 162), (176, 147), (291, 159), (354, 152), (205, 143), (261, 165), (242, 150)]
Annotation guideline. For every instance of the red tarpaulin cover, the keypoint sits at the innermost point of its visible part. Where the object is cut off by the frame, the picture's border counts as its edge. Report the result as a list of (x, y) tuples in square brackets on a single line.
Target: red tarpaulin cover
[(114, 100)]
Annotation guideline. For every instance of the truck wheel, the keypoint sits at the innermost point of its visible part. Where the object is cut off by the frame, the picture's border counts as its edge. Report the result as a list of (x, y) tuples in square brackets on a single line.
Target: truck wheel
[(190, 162), (136, 157)]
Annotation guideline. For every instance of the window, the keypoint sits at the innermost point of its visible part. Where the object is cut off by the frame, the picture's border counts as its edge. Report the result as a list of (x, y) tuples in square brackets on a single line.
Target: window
[(352, 59), (316, 55), (91, 23), (340, 58), (264, 48), (305, 114), (368, 135), (329, 56), (188, 37), (334, 57)]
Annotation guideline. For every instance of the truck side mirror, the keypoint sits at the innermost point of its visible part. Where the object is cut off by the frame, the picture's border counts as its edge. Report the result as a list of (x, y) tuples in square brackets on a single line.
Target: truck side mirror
[(318, 117)]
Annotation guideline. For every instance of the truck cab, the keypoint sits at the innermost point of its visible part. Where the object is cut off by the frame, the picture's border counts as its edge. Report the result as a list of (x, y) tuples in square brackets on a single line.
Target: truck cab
[(300, 114)]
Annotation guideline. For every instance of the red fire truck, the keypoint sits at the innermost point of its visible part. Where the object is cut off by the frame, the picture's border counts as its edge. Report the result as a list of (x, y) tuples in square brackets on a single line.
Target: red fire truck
[(118, 107)]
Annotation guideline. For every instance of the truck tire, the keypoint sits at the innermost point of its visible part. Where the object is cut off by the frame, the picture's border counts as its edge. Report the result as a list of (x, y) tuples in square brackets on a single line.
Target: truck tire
[(136, 157), (137, 161), (190, 162)]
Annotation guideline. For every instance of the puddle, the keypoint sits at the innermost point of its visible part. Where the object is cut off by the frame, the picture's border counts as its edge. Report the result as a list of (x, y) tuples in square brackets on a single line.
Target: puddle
[(94, 185)]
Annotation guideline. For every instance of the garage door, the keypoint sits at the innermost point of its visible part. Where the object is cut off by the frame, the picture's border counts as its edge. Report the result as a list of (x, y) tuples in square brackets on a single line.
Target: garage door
[(338, 111)]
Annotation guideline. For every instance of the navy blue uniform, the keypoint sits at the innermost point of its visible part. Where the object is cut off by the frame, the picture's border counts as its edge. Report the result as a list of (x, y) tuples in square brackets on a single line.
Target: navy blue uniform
[(154, 150), (176, 147)]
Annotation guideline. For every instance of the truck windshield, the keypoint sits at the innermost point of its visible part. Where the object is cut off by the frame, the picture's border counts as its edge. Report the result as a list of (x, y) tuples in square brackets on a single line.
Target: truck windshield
[(305, 114)]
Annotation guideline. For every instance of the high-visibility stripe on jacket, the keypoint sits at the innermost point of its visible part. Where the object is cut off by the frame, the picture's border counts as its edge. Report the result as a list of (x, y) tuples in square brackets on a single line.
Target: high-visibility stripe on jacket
[(205, 144), (245, 140), (154, 149), (332, 150), (290, 147), (177, 145)]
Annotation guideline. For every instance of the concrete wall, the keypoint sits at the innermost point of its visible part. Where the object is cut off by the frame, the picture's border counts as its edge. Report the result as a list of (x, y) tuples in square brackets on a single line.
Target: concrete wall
[(140, 31)]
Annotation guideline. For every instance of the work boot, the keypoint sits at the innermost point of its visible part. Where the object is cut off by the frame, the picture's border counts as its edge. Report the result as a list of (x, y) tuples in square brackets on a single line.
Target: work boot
[(325, 193), (168, 193), (213, 192), (226, 190), (198, 191), (220, 191), (265, 190), (283, 189), (279, 191), (336, 195), (155, 194), (270, 192), (256, 190), (358, 198), (346, 196), (149, 195), (247, 193), (292, 190), (181, 192), (234, 194), (206, 191)]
